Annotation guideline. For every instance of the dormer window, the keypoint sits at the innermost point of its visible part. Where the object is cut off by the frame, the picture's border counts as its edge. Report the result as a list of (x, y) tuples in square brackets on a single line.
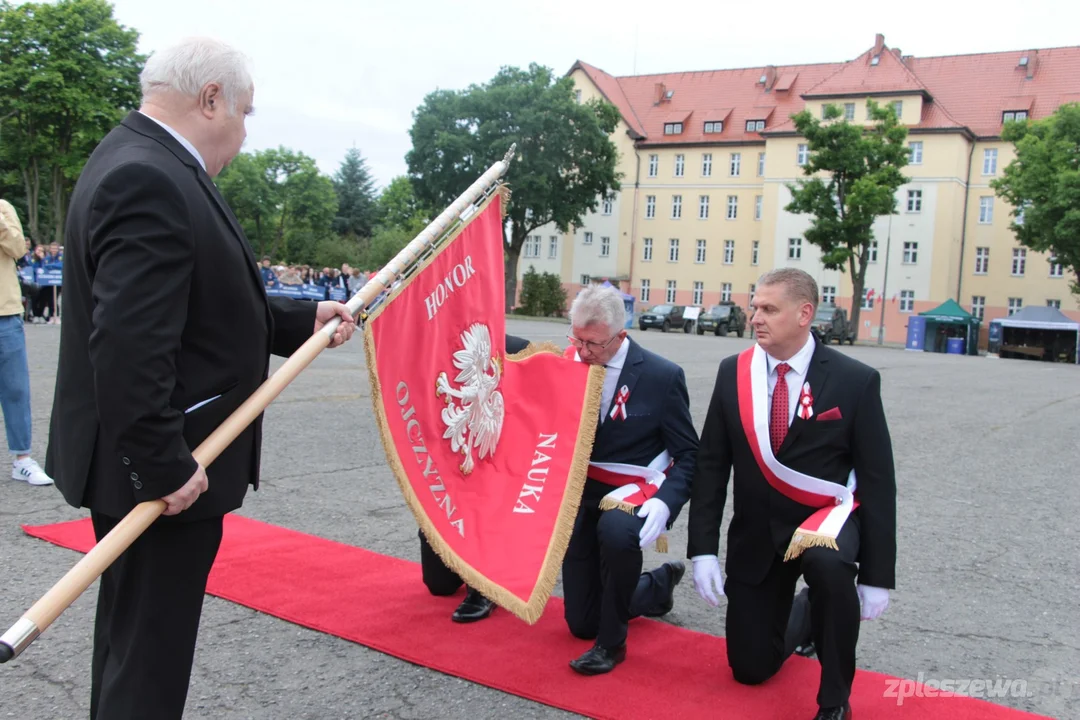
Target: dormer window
[(1011, 115), (755, 125), (714, 127), (673, 128)]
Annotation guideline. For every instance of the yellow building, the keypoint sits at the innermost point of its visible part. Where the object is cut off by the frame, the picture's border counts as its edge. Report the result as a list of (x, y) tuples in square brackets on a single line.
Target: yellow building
[(706, 159)]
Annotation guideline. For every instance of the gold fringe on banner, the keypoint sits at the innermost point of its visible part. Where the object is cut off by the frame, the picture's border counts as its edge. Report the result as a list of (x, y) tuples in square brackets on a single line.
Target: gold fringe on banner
[(531, 610)]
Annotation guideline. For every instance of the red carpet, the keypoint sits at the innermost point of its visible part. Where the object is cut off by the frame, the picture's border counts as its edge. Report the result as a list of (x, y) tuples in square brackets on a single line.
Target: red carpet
[(327, 586)]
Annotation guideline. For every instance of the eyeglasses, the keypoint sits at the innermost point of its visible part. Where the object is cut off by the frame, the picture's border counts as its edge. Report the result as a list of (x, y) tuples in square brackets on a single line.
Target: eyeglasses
[(592, 347)]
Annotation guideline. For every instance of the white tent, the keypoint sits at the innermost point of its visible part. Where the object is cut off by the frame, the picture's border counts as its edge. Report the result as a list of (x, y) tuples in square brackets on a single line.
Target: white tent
[(1035, 317)]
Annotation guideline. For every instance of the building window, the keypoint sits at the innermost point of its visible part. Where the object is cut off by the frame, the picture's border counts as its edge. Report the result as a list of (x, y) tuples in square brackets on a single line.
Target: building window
[(644, 290), (725, 292), (650, 206), (1056, 304), (898, 108), (754, 252), (753, 289), (699, 291), (871, 252), (606, 209), (716, 126), (849, 111), (867, 299), (703, 208), (532, 246), (588, 238), (757, 206), (802, 155), (654, 165), (729, 252), (680, 165), (577, 96), (605, 246), (646, 250), (673, 128), (671, 291), (911, 253), (1014, 115), (706, 165), (761, 164), (986, 209), (794, 248), (1019, 262), (755, 125), (585, 279), (907, 301), (673, 250), (553, 246), (982, 260), (1015, 304), (914, 201), (828, 294), (700, 258), (676, 207), (1056, 269), (732, 207), (978, 306), (915, 154), (990, 161), (736, 164)]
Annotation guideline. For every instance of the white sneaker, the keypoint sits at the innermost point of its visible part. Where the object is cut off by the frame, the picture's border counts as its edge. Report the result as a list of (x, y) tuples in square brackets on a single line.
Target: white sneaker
[(29, 471)]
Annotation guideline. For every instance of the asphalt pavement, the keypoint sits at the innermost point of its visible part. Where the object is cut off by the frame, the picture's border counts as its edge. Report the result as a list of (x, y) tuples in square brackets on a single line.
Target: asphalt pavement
[(988, 571)]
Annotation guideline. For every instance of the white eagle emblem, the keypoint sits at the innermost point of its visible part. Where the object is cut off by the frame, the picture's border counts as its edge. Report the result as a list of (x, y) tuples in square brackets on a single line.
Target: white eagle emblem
[(477, 421)]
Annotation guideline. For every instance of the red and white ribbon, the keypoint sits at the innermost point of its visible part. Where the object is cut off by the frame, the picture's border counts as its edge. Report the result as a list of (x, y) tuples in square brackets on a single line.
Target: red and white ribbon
[(618, 409), (806, 403)]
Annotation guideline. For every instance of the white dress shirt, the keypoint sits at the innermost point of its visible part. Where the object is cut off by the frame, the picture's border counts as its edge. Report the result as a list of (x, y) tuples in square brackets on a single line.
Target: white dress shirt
[(180, 139), (795, 377), (611, 378)]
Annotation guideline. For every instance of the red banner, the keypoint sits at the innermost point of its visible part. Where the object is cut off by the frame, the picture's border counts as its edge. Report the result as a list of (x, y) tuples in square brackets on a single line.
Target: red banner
[(490, 450)]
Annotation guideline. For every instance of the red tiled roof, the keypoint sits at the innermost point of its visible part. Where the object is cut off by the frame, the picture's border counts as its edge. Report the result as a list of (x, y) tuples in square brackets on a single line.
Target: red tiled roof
[(960, 91)]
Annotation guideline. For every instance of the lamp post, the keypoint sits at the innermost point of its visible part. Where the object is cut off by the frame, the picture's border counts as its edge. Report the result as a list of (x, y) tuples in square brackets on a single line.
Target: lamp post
[(885, 285)]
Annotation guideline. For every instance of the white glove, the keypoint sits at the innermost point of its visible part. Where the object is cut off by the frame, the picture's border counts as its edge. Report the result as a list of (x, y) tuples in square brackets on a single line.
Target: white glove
[(873, 600), (707, 577), (656, 514)]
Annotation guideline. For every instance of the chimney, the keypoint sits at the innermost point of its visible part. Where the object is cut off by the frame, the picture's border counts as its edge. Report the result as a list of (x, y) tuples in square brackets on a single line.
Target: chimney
[(1029, 62), (879, 43), (658, 95), (768, 77)]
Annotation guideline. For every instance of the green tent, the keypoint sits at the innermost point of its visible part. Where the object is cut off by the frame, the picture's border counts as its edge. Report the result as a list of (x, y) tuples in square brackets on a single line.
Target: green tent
[(950, 321)]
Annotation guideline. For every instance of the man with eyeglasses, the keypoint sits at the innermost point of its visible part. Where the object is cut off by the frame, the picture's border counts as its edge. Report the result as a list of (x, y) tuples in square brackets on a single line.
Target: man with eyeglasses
[(643, 457)]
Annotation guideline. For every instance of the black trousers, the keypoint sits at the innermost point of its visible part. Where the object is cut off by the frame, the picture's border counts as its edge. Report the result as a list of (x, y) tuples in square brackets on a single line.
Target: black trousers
[(603, 586), (764, 625), (440, 580), (149, 605)]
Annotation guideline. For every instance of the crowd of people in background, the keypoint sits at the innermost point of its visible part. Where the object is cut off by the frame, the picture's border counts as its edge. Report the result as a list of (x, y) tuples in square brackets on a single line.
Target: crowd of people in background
[(346, 278), (40, 302)]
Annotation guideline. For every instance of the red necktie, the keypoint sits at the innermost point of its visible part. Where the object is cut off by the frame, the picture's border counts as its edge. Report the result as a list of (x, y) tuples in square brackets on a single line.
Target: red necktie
[(778, 418)]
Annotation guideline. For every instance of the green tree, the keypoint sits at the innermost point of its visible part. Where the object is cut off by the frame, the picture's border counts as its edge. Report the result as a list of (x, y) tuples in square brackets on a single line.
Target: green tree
[(554, 294), (385, 244), (68, 72), (248, 188), (398, 207), (532, 292), (355, 190), (1043, 186), (565, 158), (854, 174)]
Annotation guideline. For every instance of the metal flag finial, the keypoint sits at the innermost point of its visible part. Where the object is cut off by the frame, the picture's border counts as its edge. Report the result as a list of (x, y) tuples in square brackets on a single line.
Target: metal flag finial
[(510, 154)]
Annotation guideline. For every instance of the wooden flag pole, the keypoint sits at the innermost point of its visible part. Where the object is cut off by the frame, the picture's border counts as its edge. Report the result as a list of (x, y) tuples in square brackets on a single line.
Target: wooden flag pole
[(58, 598)]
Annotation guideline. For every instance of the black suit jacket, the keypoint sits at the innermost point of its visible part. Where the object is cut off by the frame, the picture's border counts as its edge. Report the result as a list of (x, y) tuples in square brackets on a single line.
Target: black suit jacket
[(164, 309), (764, 519), (657, 419)]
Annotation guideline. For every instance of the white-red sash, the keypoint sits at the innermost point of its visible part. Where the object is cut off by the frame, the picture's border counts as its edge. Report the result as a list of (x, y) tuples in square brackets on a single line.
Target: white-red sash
[(634, 484), (835, 502)]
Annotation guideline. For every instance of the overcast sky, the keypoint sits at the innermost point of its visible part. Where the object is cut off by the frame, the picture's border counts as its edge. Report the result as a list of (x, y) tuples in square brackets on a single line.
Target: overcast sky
[(331, 74)]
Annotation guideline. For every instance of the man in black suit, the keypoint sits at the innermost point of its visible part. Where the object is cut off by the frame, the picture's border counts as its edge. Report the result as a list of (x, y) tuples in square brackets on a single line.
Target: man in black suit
[(804, 428), (441, 580), (167, 330), (644, 422)]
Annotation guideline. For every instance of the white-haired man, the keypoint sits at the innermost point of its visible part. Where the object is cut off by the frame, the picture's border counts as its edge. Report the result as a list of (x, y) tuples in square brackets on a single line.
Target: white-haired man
[(167, 330), (643, 457), (815, 495)]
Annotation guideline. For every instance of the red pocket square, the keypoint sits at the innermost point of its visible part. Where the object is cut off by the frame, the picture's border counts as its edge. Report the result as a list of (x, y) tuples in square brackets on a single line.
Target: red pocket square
[(831, 414)]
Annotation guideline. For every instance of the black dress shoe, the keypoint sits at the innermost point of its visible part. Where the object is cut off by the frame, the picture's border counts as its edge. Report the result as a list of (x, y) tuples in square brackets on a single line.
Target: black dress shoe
[(474, 607), (677, 568), (599, 660), (834, 713)]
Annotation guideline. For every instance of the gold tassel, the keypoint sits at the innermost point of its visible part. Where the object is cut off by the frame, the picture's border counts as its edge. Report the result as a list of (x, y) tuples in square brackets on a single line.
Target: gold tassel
[(607, 503), (662, 544), (803, 540)]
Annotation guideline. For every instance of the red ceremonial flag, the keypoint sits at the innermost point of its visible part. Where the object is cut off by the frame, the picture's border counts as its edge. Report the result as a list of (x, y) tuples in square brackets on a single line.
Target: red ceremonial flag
[(870, 294), (490, 450)]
